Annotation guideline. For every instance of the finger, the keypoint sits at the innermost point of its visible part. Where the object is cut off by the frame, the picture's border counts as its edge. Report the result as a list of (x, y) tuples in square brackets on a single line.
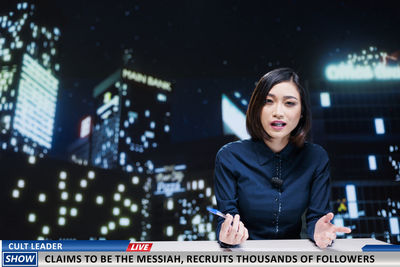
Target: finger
[(322, 243), (328, 217), (236, 221), (226, 225), (342, 229), (240, 232), (245, 236), (330, 235)]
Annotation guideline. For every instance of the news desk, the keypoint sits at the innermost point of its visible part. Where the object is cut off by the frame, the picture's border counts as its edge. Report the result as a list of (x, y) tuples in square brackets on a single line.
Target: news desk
[(298, 245)]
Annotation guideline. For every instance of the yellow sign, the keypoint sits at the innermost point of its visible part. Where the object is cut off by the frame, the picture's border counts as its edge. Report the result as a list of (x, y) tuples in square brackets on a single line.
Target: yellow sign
[(146, 79)]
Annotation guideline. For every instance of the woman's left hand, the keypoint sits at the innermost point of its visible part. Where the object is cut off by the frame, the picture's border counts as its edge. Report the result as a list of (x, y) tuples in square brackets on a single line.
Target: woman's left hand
[(325, 231)]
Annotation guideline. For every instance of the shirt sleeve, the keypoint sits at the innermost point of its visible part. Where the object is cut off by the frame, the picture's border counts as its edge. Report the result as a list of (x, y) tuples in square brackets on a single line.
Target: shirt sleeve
[(320, 194), (225, 185)]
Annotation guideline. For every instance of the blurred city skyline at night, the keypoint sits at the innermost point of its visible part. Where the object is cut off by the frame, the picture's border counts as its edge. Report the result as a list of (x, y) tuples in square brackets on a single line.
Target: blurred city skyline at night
[(203, 47)]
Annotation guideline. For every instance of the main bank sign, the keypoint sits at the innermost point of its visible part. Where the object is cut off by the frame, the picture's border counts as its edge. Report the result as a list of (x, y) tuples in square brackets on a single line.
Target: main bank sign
[(146, 79), (351, 72)]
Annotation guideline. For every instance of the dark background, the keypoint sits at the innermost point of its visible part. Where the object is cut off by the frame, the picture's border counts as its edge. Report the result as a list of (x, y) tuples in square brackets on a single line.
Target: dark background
[(204, 47)]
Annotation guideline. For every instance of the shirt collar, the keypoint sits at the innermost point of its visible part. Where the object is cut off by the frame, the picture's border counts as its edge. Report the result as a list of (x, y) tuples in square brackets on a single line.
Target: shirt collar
[(265, 154)]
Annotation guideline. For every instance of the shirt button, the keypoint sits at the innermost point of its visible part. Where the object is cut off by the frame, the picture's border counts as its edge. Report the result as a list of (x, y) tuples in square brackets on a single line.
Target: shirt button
[(276, 199)]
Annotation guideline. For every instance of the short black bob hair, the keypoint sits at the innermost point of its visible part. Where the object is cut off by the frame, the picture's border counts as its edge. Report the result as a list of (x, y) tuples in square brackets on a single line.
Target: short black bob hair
[(253, 116)]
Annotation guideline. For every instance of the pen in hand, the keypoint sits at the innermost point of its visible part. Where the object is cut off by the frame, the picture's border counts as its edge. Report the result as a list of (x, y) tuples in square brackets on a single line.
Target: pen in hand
[(216, 212)]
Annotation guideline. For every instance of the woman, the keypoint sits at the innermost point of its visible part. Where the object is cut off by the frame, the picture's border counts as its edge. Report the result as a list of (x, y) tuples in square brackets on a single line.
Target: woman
[(266, 183)]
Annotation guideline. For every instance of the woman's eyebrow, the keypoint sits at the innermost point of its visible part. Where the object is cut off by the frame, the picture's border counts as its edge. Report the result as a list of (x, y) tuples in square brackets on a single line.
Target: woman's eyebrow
[(285, 97), (289, 97)]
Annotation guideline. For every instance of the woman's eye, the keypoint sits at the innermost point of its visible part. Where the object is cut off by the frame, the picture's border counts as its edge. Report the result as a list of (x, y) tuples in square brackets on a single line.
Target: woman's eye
[(268, 101), (290, 103)]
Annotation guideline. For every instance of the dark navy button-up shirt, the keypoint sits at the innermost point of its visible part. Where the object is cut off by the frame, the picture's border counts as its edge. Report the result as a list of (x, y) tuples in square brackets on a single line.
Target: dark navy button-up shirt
[(243, 173)]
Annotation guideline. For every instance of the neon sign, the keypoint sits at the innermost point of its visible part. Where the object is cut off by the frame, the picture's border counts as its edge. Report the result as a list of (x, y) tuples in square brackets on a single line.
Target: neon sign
[(146, 79), (86, 125), (351, 72)]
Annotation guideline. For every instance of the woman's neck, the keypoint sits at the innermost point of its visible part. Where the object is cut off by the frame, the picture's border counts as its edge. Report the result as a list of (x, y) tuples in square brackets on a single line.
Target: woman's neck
[(276, 145)]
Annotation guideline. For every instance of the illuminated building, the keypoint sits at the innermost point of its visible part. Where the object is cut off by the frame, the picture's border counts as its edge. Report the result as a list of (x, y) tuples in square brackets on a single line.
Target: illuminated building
[(356, 119), (234, 107), (178, 204), (181, 193), (28, 83), (370, 65), (132, 119), (80, 150), (69, 201)]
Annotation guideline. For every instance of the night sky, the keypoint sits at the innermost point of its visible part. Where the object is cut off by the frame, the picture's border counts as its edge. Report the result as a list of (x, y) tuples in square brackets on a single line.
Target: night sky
[(204, 47)]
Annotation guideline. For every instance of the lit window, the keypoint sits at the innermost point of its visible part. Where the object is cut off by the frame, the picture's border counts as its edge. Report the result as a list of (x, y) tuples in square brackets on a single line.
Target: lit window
[(208, 192), (91, 175), (63, 210), (372, 162), (194, 185), (129, 168), (325, 99), (394, 225), (161, 97), (124, 221), (121, 188), (64, 195), (135, 180), (127, 202), (104, 230), (31, 217), (201, 184), (61, 221), (78, 197), (63, 175), (169, 230), (21, 183), (99, 200), (352, 201), (15, 193), (45, 230), (196, 219), (170, 204), (83, 183), (42, 197), (32, 159), (134, 208), (61, 185), (111, 225), (117, 197), (86, 125), (74, 212), (116, 211), (379, 126)]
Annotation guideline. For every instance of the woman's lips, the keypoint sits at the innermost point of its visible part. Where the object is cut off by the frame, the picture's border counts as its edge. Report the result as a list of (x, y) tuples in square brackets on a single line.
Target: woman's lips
[(278, 125)]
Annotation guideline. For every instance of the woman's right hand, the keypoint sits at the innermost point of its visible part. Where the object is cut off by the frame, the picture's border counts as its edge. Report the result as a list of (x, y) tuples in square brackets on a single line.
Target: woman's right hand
[(233, 233)]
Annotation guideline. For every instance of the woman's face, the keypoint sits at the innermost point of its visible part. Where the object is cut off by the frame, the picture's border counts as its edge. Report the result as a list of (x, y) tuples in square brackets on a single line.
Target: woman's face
[(282, 110)]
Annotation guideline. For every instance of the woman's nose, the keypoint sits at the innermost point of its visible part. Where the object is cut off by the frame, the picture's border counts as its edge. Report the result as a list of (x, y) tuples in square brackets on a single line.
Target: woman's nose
[(278, 111)]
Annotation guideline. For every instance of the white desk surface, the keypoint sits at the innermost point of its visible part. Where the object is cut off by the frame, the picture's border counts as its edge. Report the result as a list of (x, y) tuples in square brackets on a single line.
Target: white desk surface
[(299, 245)]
